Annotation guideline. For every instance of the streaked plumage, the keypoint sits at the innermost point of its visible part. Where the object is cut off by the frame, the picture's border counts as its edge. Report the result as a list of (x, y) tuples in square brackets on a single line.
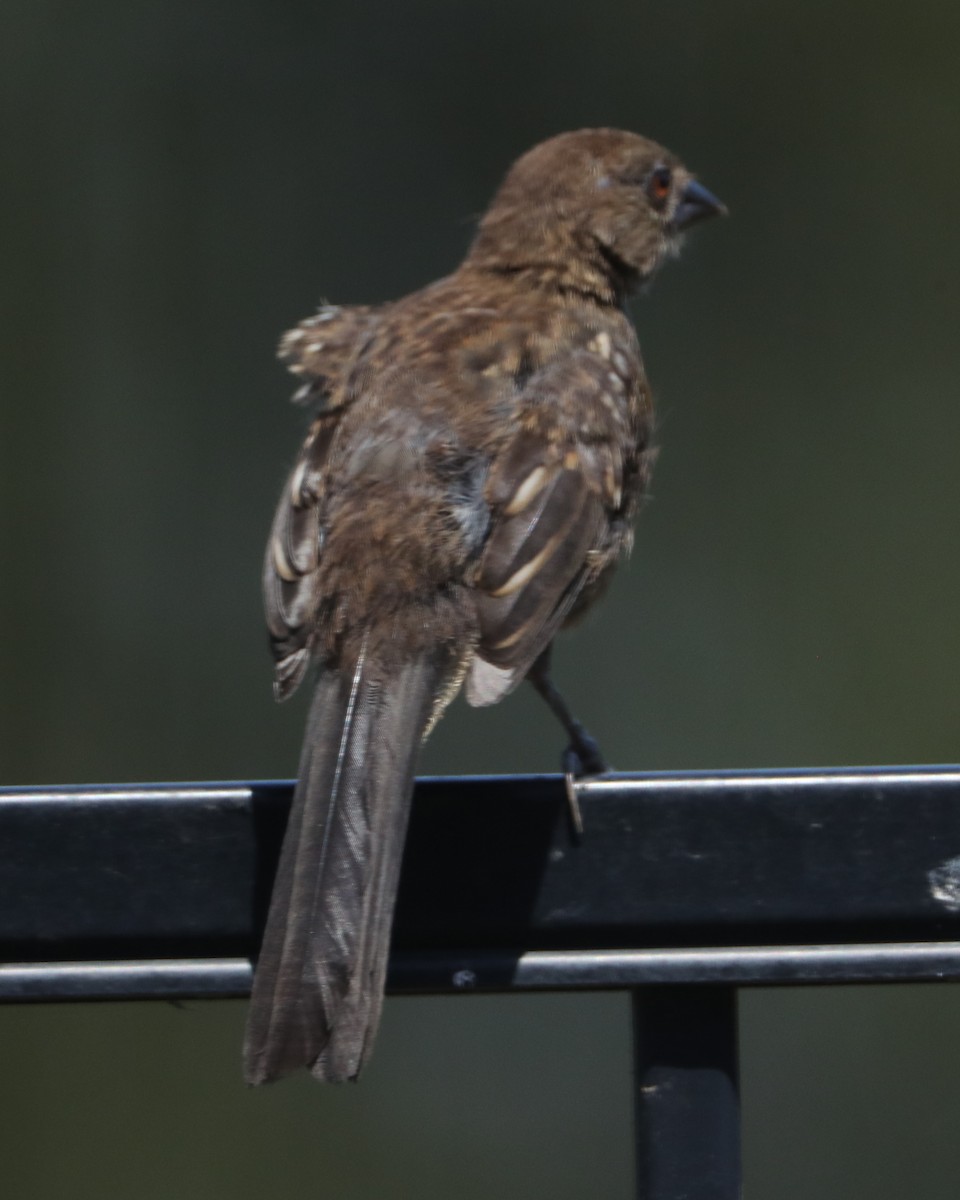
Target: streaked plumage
[(471, 475)]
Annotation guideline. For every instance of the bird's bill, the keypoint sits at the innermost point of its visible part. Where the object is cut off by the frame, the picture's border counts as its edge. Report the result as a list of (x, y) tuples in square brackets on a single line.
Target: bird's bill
[(697, 203)]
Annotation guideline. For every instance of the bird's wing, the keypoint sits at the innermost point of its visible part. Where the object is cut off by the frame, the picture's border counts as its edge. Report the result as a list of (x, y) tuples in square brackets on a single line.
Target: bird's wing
[(556, 494), (290, 595), (322, 351)]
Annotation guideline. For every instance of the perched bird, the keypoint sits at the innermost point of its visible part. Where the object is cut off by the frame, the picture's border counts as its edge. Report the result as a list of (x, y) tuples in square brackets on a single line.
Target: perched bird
[(469, 480)]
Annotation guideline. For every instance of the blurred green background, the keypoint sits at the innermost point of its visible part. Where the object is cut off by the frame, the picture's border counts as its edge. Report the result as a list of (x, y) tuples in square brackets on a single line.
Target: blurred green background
[(183, 180)]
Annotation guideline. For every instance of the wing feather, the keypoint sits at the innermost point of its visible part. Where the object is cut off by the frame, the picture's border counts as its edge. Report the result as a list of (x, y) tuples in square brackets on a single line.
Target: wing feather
[(556, 495), (290, 566)]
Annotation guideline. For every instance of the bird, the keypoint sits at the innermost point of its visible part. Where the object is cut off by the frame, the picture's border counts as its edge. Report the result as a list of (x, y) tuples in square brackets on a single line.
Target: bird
[(477, 453)]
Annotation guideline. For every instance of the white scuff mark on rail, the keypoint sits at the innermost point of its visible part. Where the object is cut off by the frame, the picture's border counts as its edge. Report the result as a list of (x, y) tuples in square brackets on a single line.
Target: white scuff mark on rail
[(945, 884)]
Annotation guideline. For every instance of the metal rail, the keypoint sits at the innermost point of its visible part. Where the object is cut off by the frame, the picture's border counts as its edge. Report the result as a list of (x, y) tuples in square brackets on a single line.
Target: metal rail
[(684, 888)]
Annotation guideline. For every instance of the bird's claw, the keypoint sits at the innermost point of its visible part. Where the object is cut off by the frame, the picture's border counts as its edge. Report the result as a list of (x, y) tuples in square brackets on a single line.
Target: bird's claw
[(581, 759)]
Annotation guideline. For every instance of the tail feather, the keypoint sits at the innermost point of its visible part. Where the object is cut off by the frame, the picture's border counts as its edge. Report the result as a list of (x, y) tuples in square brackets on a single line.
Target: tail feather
[(318, 988)]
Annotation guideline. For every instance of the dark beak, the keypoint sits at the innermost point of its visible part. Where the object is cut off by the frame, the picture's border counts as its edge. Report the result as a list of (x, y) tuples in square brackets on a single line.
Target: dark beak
[(695, 204)]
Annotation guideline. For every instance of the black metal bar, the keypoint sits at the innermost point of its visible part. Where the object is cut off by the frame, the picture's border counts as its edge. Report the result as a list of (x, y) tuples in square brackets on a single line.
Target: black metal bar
[(414, 973), (158, 979), (694, 883), (694, 861), (686, 1091)]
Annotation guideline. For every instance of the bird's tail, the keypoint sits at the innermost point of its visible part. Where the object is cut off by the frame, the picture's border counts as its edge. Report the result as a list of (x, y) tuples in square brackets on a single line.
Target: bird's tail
[(318, 988)]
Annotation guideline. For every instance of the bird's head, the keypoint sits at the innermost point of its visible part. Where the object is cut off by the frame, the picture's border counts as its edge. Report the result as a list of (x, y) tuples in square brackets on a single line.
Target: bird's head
[(605, 200)]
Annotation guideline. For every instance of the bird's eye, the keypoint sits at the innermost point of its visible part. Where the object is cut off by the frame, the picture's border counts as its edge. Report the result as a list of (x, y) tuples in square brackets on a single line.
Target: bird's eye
[(658, 186)]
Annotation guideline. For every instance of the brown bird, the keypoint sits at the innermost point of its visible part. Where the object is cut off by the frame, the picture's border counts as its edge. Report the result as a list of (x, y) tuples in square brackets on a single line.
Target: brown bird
[(470, 478)]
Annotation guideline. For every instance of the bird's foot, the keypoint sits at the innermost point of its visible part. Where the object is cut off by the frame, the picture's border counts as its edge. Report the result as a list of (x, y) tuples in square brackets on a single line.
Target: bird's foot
[(582, 759)]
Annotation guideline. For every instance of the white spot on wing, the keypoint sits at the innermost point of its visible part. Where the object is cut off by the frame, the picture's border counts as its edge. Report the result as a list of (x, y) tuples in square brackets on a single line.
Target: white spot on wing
[(531, 487), (602, 344), (281, 564), (296, 483), (525, 573), (487, 683)]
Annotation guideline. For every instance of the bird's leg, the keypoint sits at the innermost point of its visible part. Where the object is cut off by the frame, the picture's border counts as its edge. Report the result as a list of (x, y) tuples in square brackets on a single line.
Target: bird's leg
[(582, 756)]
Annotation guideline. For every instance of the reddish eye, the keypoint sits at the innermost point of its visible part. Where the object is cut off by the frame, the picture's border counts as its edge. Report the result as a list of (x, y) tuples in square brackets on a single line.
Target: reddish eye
[(658, 186)]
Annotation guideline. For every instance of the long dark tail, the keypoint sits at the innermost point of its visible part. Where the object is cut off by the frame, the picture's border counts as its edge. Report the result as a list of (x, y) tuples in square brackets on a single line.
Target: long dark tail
[(318, 988)]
